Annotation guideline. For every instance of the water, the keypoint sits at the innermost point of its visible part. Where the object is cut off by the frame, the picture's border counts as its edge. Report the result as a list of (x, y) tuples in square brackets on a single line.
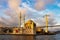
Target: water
[(38, 37)]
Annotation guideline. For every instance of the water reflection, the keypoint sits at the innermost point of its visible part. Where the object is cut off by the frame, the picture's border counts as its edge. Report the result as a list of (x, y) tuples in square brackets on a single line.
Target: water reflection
[(45, 37), (20, 37)]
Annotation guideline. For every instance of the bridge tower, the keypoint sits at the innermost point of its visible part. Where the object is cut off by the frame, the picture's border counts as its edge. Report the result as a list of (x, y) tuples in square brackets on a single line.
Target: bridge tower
[(46, 18)]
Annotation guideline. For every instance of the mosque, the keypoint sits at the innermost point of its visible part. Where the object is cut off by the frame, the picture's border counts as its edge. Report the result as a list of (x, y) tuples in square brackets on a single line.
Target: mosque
[(29, 28)]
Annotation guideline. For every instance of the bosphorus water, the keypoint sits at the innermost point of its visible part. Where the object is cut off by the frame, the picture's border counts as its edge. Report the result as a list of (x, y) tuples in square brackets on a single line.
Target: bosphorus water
[(25, 37)]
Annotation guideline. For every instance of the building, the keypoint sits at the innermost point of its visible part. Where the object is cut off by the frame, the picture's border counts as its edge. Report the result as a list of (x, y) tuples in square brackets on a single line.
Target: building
[(17, 30), (29, 27)]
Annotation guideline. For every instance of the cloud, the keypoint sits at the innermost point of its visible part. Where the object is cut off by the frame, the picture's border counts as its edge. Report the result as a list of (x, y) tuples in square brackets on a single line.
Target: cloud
[(49, 1), (40, 21), (2, 1), (15, 6), (32, 15), (0, 6), (10, 21), (41, 4), (13, 11), (58, 4), (25, 5), (1, 19)]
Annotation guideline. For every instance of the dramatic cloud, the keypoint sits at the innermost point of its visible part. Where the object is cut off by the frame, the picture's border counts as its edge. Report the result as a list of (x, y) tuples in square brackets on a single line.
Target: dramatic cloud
[(1, 19), (15, 5), (40, 21), (58, 4), (49, 1), (41, 4), (0, 6), (13, 11)]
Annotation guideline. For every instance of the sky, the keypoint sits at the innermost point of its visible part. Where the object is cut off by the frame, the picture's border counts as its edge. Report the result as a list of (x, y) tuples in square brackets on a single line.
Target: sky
[(33, 9)]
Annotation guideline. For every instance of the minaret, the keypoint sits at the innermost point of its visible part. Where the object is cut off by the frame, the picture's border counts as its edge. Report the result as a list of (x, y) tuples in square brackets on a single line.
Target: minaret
[(19, 20), (24, 19)]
